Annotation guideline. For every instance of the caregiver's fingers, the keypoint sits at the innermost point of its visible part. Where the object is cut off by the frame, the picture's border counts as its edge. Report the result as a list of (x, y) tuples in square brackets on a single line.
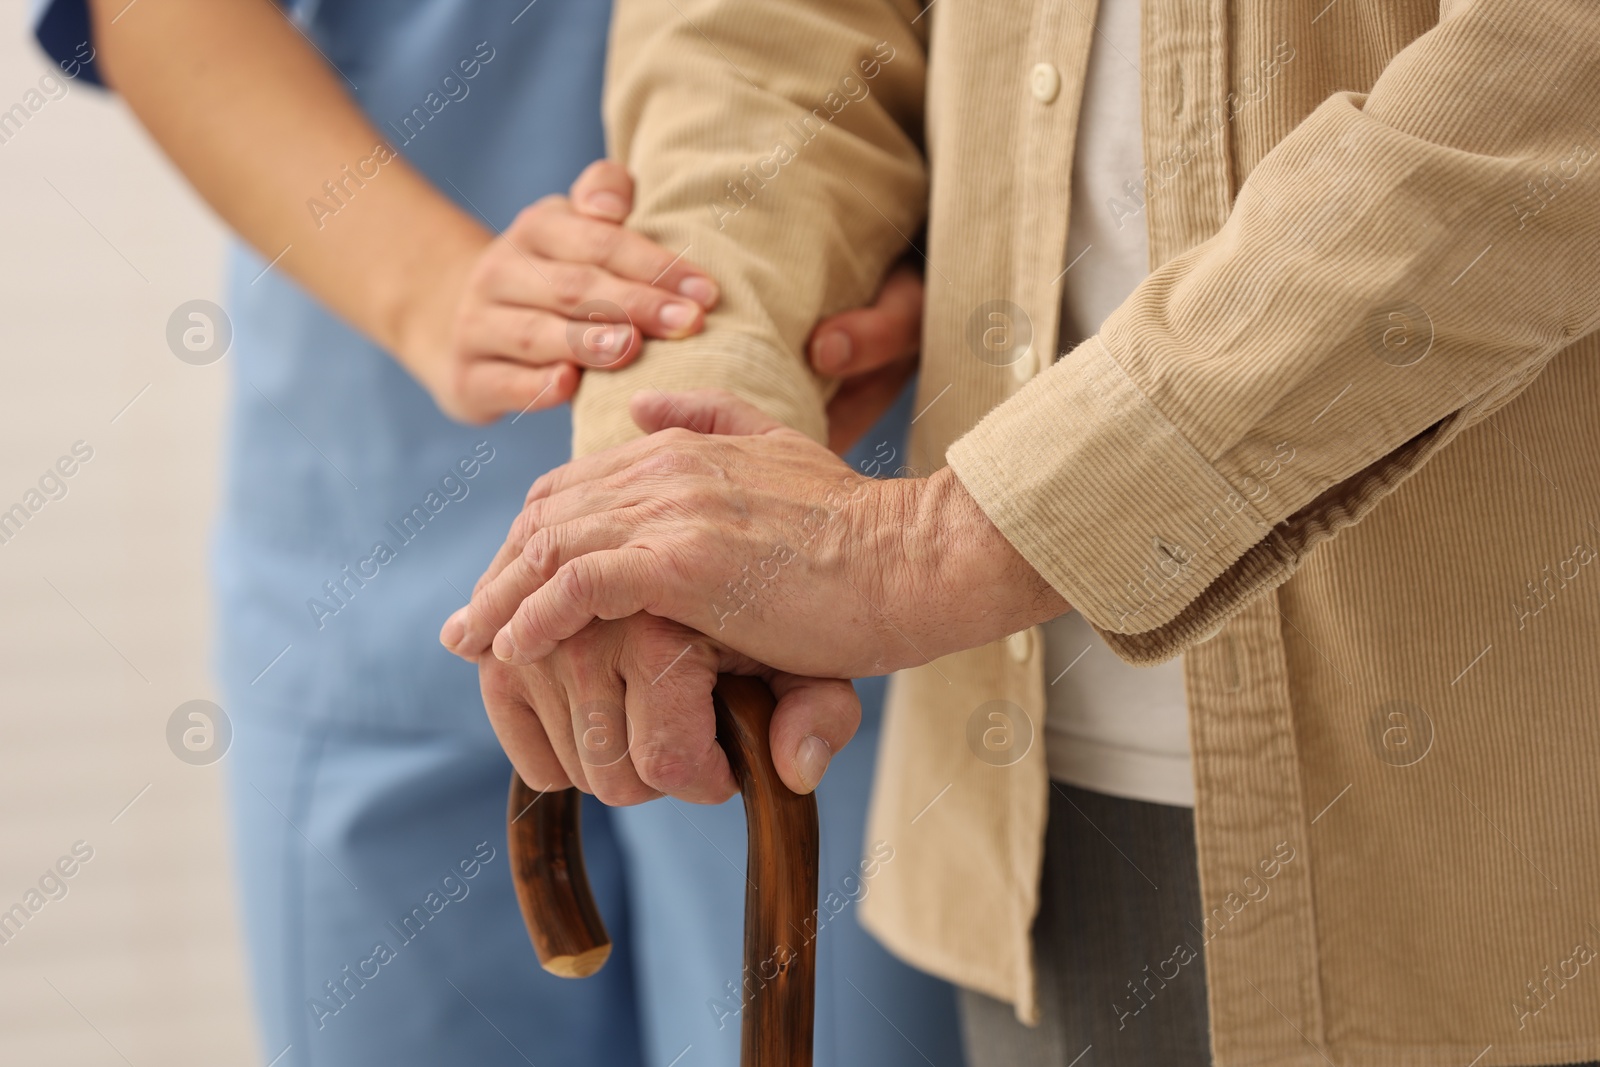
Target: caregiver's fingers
[(550, 228), (814, 719), (670, 673), (586, 293), (604, 191), (519, 730), (496, 387), (702, 411), (536, 337), (601, 585)]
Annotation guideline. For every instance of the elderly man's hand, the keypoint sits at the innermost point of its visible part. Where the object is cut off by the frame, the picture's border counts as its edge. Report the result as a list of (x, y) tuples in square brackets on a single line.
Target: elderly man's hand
[(623, 709), (758, 537), (625, 713)]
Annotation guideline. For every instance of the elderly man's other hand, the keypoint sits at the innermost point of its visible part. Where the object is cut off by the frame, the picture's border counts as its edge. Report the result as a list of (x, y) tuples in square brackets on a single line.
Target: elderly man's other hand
[(623, 711), (749, 532), (873, 351)]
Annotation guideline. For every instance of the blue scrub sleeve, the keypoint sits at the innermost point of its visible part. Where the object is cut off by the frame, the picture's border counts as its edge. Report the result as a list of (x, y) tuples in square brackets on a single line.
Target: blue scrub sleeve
[(62, 30)]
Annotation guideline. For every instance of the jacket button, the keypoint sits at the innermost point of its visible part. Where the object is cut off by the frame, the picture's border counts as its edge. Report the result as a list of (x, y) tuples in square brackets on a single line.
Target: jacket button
[(1045, 81), (1020, 645)]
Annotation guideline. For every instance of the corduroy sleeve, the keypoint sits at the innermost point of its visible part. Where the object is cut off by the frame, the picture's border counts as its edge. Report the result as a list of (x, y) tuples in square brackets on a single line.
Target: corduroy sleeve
[(1400, 265), (778, 146)]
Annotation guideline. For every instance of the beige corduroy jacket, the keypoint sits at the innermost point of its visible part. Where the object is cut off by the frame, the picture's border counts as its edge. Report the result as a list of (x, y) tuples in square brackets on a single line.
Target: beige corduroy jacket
[(1341, 451)]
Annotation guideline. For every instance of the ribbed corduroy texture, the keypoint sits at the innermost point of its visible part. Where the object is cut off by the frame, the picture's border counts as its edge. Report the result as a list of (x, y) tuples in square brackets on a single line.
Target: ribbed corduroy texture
[(1374, 228)]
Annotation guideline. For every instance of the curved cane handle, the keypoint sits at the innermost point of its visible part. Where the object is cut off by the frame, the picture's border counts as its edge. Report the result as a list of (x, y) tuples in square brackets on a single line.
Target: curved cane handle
[(542, 836), (780, 903)]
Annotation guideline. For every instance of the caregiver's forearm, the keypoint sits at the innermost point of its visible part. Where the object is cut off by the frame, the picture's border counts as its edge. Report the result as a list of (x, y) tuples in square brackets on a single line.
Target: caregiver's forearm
[(257, 121)]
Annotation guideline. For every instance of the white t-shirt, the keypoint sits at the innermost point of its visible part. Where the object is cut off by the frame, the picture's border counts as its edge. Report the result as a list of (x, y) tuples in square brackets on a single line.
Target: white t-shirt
[(1109, 726)]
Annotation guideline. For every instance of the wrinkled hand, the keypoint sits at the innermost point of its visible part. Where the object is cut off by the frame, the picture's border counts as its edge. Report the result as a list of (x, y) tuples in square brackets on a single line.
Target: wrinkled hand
[(758, 537), (625, 713), (667, 722)]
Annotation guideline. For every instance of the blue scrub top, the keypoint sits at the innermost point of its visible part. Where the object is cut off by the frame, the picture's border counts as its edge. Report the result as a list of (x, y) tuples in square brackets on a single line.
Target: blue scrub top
[(355, 516)]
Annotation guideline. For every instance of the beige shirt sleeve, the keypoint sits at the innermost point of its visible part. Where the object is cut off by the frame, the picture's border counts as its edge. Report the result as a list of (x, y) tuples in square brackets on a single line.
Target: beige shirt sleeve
[(778, 146), (1397, 267)]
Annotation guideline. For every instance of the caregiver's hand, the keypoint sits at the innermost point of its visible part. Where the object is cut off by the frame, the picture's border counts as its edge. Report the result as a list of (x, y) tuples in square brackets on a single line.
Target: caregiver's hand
[(625, 714), (565, 287), (763, 540), (511, 325)]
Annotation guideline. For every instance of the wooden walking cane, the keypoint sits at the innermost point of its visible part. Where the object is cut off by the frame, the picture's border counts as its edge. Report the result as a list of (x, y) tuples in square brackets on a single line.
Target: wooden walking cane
[(780, 899)]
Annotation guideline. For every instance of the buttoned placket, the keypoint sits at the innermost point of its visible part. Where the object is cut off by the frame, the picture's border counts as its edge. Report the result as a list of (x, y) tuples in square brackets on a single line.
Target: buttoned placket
[(1248, 784)]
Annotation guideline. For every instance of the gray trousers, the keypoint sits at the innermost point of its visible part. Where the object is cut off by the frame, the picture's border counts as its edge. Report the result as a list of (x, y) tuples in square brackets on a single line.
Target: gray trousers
[(1118, 944), (1122, 979)]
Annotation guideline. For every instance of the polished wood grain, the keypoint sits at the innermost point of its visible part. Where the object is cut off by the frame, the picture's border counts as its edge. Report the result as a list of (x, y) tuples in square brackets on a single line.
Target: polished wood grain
[(780, 898), (780, 951), (546, 846)]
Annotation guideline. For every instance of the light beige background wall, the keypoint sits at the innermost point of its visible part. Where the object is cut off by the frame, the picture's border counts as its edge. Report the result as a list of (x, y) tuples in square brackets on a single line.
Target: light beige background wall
[(103, 607)]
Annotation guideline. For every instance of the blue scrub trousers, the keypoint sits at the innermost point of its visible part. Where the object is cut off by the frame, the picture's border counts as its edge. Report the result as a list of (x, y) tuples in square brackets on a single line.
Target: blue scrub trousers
[(379, 912)]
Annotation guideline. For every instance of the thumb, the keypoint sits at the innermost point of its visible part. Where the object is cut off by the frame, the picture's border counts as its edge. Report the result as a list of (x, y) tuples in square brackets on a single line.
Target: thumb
[(603, 191), (814, 719), (714, 411)]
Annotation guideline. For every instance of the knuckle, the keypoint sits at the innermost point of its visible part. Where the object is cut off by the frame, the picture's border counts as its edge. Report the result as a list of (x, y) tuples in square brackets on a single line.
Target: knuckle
[(486, 272), (542, 208), (677, 450), (572, 286), (667, 769), (680, 436), (522, 623), (527, 219), (601, 241), (617, 794), (526, 339), (641, 303), (494, 272), (540, 555), (522, 527), (535, 340), (660, 649), (666, 463), (575, 582), (531, 219), (540, 488)]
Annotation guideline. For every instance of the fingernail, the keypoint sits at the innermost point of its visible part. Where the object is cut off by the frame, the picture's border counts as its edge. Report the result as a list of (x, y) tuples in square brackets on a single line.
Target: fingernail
[(454, 630), (831, 352), (610, 205), (678, 316), (607, 340), (700, 290), (811, 761), (504, 647)]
